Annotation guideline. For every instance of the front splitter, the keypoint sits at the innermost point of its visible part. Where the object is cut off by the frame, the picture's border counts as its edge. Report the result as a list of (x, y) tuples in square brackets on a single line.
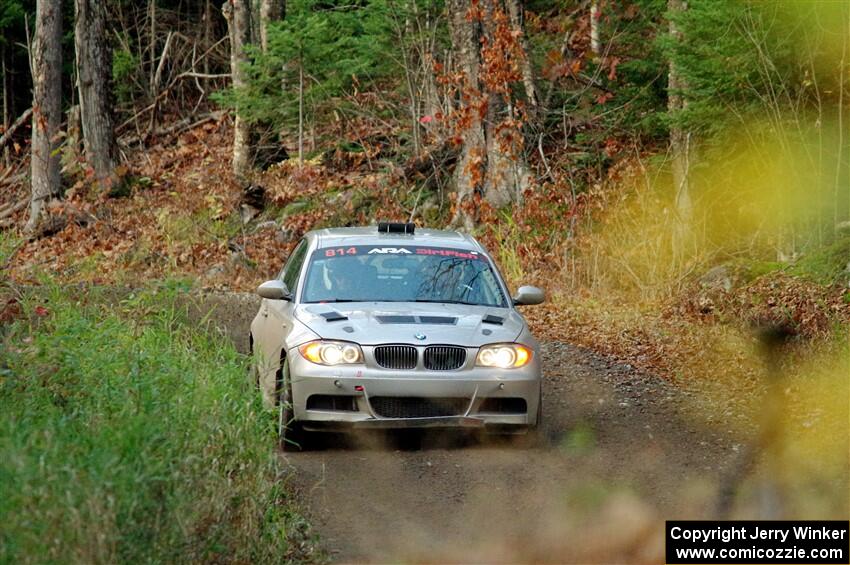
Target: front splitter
[(397, 423)]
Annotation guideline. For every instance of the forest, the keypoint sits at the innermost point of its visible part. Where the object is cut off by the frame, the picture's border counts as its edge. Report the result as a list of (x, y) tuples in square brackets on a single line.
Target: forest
[(674, 173)]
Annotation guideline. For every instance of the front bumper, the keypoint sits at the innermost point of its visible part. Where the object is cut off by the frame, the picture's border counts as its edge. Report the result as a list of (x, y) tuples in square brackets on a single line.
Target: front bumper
[(475, 390)]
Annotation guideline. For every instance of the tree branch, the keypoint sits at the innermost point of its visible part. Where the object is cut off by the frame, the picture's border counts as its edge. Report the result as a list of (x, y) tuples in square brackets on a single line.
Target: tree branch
[(7, 135)]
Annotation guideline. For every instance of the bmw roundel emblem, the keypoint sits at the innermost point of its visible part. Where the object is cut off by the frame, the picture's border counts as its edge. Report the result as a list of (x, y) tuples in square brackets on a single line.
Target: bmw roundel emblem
[(420, 336)]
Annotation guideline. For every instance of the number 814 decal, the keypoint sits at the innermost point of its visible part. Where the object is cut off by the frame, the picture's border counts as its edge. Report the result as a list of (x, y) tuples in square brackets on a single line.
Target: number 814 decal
[(340, 251)]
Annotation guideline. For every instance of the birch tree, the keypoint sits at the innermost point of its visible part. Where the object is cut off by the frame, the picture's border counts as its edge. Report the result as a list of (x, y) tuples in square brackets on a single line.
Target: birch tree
[(595, 45)]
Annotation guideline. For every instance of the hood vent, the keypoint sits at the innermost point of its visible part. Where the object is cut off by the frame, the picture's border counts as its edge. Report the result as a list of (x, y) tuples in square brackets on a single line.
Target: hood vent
[(333, 316), (449, 321), (396, 319), (491, 319), (438, 320)]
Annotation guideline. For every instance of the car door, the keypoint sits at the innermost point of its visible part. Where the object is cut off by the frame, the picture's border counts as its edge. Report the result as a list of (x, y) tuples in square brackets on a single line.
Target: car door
[(275, 322)]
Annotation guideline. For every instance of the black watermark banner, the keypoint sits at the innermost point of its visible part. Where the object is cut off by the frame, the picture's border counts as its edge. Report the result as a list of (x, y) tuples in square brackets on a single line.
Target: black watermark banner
[(758, 541)]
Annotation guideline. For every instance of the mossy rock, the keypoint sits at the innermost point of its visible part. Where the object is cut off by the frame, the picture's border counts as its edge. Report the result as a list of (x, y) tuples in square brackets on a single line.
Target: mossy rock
[(733, 274), (751, 270), (362, 200), (297, 207), (828, 264)]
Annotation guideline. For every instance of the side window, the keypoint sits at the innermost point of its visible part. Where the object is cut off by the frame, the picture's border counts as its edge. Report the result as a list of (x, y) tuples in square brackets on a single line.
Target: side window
[(293, 267)]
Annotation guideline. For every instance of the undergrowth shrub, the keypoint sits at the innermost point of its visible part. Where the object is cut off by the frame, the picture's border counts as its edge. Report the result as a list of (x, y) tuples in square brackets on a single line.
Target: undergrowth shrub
[(127, 436)]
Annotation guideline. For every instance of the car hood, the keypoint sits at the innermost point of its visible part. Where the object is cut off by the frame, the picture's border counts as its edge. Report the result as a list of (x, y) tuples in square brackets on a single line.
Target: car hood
[(372, 323)]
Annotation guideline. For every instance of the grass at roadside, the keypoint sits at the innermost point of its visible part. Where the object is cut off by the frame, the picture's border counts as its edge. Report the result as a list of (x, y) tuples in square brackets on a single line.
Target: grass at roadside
[(127, 436)]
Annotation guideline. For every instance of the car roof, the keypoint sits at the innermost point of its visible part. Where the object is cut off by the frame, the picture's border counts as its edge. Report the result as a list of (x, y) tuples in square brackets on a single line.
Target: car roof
[(331, 237)]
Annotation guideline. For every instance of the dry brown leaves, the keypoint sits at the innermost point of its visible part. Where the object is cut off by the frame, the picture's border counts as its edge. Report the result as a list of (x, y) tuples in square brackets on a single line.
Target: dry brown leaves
[(175, 223), (159, 230), (811, 310)]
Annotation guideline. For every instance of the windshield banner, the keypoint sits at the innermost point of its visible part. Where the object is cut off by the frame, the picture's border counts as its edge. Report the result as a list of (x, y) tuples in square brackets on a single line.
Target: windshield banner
[(402, 251)]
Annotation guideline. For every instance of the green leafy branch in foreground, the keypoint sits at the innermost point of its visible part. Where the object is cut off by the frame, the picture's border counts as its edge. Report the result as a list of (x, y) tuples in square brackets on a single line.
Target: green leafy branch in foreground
[(134, 441)]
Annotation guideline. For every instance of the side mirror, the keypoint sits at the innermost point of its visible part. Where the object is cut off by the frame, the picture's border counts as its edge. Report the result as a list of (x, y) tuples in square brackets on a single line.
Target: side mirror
[(528, 296), (274, 290)]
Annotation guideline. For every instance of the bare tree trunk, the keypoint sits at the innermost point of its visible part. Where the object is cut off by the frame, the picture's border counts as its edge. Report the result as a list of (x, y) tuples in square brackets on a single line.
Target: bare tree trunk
[(94, 74), (47, 106), (507, 174), (74, 137), (7, 135), (517, 16), (491, 161), (680, 140), (417, 59), (152, 45), (237, 14), (429, 48), (409, 81), (431, 96), (270, 11), (300, 114), (410, 75), (207, 36), (6, 110), (471, 165), (268, 145), (253, 10)]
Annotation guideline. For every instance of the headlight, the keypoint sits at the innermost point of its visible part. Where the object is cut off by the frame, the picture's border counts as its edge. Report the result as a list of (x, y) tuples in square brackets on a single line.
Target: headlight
[(331, 352), (503, 356)]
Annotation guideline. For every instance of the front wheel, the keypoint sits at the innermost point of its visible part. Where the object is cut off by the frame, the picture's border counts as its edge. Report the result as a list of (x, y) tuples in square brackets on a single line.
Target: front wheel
[(290, 433)]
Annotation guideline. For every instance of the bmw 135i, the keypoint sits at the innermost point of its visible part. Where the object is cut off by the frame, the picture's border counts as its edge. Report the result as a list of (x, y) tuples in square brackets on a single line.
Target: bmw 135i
[(394, 327)]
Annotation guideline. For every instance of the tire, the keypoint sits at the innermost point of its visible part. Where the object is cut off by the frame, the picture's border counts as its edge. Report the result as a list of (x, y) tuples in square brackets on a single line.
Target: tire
[(290, 434)]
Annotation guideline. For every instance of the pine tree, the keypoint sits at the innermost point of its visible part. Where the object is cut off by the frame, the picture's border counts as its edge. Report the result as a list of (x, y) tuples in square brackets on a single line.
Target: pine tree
[(318, 52)]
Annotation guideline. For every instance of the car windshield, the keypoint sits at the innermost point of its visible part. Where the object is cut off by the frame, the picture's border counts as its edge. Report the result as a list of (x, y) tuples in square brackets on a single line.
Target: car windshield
[(401, 274)]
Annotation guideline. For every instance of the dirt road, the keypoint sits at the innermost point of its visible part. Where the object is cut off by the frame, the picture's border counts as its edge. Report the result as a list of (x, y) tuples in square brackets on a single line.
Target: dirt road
[(621, 455)]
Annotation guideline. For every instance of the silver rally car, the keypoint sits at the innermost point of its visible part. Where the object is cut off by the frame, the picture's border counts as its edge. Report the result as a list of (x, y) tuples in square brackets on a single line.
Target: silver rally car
[(394, 327)]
